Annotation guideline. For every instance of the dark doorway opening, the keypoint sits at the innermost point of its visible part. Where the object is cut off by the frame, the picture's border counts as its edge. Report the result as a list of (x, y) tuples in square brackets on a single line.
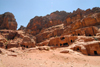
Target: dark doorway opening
[(62, 38), (95, 52), (60, 44), (26, 46), (65, 44), (71, 41), (6, 47), (22, 45), (77, 49), (78, 34), (90, 35)]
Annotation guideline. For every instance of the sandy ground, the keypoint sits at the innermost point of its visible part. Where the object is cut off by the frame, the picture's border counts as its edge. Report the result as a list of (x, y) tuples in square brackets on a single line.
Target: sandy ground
[(52, 58)]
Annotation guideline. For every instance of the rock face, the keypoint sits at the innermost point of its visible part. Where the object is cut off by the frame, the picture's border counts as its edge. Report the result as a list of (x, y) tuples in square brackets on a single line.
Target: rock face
[(28, 42), (86, 45), (78, 31), (47, 33), (87, 31), (38, 23), (13, 38), (62, 41), (22, 28), (2, 41), (7, 21), (76, 23)]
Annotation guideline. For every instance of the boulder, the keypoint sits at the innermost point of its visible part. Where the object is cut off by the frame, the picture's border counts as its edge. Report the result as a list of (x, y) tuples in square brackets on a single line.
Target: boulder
[(28, 42), (44, 48), (64, 51)]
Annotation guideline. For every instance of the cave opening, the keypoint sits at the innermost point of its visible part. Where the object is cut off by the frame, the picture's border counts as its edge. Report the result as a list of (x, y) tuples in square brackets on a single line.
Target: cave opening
[(95, 52), (62, 38), (71, 41), (60, 44), (78, 34), (65, 44), (22, 45), (26, 46), (90, 35), (77, 49), (6, 47)]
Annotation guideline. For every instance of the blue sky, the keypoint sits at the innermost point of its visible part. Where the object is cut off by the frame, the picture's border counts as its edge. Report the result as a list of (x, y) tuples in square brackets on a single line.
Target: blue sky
[(24, 10)]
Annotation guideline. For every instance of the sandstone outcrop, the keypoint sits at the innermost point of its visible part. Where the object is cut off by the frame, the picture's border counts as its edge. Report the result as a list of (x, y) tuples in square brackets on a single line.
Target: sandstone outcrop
[(28, 42), (22, 28), (44, 43), (7, 21), (38, 23), (88, 48), (87, 31), (79, 31), (62, 41), (86, 45), (2, 41), (47, 33), (11, 38)]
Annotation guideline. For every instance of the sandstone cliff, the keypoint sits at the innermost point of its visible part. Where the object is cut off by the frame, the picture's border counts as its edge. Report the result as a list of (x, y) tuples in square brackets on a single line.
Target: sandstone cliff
[(79, 31)]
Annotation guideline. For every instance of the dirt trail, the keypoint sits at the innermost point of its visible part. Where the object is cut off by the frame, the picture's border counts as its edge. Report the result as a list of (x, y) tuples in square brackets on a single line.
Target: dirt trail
[(52, 58)]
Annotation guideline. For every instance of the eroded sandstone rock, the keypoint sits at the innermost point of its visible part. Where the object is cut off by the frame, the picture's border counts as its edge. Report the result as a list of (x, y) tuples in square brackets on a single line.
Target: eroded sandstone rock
[(22, 28), (47, 33), (86, 45), (62, 41), (2, 41), (7, 21), (28, 42)]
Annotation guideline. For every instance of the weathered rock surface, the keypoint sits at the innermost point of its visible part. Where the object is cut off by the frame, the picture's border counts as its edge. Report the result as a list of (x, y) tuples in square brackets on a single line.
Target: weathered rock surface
[(22, 28), (12, 38), (79, 31), (62, 41), (44, 43), (47, 48), (87, 31), (28, 42), (2, 41), (86, 45), (47, 33), (7, 21)]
